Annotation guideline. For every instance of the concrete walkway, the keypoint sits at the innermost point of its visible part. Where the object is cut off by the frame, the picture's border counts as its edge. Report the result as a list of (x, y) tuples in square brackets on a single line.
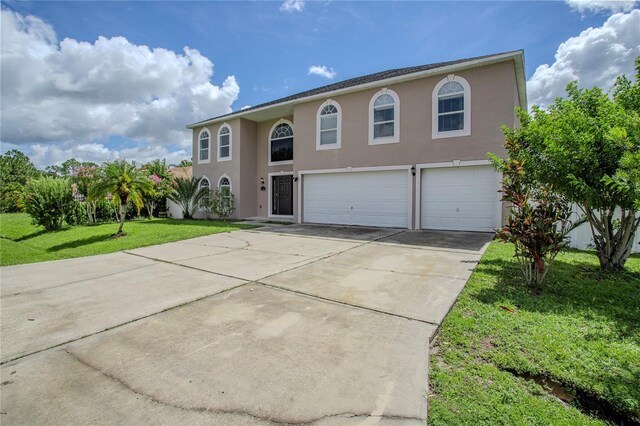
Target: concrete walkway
[(291, 324)]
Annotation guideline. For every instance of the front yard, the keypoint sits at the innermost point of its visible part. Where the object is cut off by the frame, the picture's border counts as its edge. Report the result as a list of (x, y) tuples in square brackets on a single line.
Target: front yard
[(23, 242), (504, 356)]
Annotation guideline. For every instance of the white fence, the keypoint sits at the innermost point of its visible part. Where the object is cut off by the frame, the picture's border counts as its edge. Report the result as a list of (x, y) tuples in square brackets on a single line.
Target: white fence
[(581, 237)]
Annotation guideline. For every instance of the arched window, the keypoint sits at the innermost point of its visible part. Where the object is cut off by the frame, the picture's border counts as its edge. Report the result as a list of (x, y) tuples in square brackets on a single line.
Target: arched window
[(384, 117), (451, 102), (203, 203), (224, 143), (281, 143), (224, 186), (329, 124), (204, 139)]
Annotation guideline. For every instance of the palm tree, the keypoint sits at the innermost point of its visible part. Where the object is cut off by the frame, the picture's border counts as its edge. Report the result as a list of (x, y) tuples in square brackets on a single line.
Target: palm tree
[(187, 194), (125, 183)]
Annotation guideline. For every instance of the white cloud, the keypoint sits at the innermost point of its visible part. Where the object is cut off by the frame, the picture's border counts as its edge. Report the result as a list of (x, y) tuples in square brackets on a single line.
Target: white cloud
[(597, 6), (594, 58), (292, 6), (44, 154), (322, 71), (73, 93)]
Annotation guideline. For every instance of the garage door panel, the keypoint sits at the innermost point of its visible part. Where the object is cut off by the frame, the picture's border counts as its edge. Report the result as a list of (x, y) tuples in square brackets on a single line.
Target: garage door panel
[(459, 198), (378, 198)]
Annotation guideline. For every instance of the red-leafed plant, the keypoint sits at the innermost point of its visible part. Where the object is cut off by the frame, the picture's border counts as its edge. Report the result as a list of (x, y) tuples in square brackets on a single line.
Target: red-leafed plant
[(538, 223)]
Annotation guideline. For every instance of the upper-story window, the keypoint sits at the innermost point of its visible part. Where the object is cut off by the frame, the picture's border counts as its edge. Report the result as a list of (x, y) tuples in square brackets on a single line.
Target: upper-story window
[(329, 123), (281, 143), (451, 102), (224, 143), (384, 117), (204, 139)]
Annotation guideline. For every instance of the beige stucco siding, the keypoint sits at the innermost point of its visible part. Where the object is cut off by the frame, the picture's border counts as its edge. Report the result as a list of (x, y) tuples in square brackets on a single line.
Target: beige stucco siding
[(214, 170), (493, 99), (246, 205), (492, 104)]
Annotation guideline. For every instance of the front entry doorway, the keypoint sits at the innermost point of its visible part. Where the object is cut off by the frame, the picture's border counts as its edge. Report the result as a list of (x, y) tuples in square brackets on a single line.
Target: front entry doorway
[(282, 195)]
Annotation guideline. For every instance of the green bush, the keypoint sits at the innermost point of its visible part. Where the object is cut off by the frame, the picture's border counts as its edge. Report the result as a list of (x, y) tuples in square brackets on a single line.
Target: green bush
[(11, 198), (105, 211), (221, 203), (48, 201), (77, 214)]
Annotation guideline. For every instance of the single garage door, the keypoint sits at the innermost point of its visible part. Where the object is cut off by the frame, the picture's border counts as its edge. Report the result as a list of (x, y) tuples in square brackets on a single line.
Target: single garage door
[(459, 198), (377, 198)]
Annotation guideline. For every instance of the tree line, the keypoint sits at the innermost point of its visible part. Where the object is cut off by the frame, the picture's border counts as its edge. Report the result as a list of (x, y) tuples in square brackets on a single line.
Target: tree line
[(83, 193)]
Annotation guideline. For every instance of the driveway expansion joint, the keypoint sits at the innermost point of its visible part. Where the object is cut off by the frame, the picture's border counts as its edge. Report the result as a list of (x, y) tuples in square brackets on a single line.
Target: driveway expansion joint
[(338, 302), (170, 308)]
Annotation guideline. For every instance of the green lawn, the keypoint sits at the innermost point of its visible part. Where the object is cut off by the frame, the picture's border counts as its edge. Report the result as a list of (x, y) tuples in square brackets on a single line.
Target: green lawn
[(22, 242), (582, 332)]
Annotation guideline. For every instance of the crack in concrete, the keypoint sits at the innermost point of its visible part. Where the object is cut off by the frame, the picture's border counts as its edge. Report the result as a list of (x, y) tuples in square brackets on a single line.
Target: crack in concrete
[(413, 274), (208, 410)]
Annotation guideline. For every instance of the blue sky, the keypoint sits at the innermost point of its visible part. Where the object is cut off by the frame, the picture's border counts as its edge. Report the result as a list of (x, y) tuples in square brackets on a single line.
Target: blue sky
[(269, 49)]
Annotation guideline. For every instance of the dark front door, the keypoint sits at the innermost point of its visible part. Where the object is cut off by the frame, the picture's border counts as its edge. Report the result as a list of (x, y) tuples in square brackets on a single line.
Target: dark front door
[(282, 195)]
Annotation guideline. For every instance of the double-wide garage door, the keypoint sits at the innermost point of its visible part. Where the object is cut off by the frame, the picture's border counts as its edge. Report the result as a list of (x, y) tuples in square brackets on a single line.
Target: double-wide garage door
[(375, 198), (453, 198), (459, 198)]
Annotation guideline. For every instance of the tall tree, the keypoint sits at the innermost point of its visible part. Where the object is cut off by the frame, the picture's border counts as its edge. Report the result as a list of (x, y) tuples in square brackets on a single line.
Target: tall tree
[(185, 163), (16, 167), (587, 147), (125, 183), (162, 179), (15, 171)]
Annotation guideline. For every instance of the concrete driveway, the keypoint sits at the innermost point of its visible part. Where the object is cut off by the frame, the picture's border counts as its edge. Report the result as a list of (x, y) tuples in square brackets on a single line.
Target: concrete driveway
[(279, 325)]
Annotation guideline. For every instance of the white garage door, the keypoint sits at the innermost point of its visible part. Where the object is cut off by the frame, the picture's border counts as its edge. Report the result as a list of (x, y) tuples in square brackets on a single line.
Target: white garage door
[(378, 198), (459, 198)]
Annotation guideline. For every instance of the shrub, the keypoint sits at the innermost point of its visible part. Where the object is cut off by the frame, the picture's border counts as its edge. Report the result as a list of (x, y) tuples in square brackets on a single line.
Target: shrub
[(221, 203), (11, 198), (538, 223), (77, 214), (48, 201), (105, 211)]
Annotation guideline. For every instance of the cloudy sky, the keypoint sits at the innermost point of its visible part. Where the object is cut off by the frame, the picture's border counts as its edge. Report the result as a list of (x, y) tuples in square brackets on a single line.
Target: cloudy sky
[(104, 80)]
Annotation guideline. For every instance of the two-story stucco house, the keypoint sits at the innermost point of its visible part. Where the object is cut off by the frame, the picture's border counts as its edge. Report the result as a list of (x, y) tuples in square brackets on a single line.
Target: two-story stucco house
[(402, 148)]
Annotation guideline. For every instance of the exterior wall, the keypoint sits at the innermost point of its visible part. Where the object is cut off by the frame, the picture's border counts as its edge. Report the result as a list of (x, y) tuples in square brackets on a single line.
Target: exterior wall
[(493, 99), (214, 170), (248, 182), (492, 104)]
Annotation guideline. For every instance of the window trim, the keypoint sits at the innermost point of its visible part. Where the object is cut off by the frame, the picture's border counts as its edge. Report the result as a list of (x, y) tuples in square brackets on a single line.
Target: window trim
[(225, 125), (338, 144), (396, 118), (202, 179), (278, 163), (224, 175), (466, 130), (208, 159)]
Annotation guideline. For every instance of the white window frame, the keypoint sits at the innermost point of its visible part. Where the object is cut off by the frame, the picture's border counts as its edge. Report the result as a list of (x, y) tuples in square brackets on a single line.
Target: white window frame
[(396, 118), (278, 163), (202, 179), (225, 125), (208, 159), (338, 143), (466, 130), (229, 179)]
